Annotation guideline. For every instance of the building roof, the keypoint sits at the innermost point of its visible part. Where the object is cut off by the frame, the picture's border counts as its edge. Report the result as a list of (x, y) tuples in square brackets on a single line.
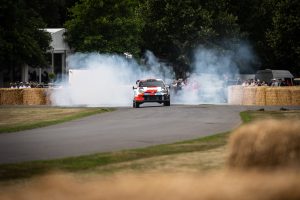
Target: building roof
[(54, 30), (268, 74), (58, 42)]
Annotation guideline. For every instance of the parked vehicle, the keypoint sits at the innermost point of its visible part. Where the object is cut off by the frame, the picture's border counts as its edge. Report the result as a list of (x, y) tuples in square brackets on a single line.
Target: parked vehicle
[(268, 75)]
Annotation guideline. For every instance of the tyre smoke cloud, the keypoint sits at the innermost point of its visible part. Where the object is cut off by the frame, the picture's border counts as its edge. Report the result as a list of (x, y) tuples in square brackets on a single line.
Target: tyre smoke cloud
[(212, 69), (107, 79)]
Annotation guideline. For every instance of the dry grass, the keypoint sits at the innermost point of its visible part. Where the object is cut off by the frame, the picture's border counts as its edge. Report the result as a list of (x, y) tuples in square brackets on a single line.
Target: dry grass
[(199, 161), (13, 115), (15, 118), (265, 144), (225, 186)]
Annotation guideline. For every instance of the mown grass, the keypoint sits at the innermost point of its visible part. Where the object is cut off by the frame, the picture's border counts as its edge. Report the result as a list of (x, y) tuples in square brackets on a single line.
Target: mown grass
[(249, 116), (24, 118)]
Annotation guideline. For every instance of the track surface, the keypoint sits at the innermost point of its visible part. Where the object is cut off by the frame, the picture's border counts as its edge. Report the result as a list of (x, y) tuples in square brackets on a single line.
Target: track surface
[(122, 129)]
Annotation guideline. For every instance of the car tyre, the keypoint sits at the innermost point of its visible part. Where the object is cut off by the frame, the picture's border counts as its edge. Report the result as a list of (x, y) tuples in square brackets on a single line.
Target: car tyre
[(167, 103), (136, 105)]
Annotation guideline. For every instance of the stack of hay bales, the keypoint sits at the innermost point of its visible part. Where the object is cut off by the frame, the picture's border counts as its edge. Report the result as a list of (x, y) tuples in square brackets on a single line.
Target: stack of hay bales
[(284, 96), (260, 97), (276, 96), (295, 93), (48, 96), (271, 97), (11, 96), (249, 96), (235, 94), (34, 96)]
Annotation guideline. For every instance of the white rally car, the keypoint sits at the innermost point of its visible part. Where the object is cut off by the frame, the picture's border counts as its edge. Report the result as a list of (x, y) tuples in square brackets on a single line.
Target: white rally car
[(151, 90)]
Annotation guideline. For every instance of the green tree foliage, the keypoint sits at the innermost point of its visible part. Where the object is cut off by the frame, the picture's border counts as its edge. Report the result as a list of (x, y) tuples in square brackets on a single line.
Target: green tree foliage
[(21, 39), (273, 27), (53, 12), (107, 26), (283, 35), (174, 28)]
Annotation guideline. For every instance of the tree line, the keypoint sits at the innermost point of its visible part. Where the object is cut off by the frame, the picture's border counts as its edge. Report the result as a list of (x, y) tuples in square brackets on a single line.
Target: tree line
[(172, 29)]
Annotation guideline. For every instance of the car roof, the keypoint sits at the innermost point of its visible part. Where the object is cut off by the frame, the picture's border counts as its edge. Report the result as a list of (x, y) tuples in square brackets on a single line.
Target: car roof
[(150, 80)]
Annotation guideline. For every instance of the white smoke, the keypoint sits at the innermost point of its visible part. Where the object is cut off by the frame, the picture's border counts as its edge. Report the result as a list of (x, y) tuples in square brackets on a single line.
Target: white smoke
[(208, 79), (105, 79)]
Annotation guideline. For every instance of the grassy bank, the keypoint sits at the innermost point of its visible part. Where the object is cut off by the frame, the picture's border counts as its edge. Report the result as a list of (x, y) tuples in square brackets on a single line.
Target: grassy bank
[(18, 118)]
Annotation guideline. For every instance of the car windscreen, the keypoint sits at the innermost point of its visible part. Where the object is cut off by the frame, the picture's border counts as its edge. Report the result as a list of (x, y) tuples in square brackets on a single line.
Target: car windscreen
[(151, 83)]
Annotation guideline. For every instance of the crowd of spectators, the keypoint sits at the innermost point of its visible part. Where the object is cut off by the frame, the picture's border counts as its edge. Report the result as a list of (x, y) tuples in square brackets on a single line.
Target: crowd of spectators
[(273, 83), (21, 85)]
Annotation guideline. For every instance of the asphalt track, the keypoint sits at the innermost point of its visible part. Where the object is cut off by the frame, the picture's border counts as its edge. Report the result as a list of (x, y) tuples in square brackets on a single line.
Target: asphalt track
[(124, 128)]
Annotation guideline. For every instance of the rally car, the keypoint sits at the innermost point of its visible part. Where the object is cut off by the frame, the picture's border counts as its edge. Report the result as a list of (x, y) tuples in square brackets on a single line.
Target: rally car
[(151, 90)]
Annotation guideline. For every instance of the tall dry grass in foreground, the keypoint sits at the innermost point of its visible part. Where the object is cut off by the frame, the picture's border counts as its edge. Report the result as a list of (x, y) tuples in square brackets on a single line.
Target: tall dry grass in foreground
[(268, 144), (226, 186), (270, 147)]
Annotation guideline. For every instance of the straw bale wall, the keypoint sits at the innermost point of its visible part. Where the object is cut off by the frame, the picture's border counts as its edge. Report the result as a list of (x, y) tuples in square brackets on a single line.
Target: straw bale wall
[(26, 96), (11, 96), (277, 96), (260, 96), (295, 93), (249, 97), (36, 96), (235, 95)]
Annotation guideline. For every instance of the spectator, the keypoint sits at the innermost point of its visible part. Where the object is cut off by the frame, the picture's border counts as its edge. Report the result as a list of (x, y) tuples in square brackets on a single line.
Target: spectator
[(274, 83)]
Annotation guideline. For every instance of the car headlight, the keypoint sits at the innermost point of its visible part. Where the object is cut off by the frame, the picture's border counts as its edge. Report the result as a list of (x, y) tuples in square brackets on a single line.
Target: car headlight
[(141, 90), (164, 90)]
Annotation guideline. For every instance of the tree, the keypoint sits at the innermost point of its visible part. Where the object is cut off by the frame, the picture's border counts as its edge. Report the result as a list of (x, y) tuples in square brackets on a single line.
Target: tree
[(173, 29), (272, 26), (22, 40), (106, 26), (283, 35), (53, 12)]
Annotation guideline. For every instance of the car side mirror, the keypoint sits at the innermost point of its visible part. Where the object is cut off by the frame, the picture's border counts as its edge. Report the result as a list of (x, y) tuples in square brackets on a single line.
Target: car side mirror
[(134, 87)]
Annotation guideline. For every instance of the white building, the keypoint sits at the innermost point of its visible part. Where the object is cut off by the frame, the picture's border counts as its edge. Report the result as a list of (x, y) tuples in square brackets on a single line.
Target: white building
[(56, 58)]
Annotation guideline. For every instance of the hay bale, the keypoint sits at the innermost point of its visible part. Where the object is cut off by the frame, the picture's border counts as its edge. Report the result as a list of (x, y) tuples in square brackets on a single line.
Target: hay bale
[(295, 96), (235, 95), (260, 96), (265, 144), (48, 96), (284, 96), (249, 96), (34, 96), (271, 97), (11, 96)]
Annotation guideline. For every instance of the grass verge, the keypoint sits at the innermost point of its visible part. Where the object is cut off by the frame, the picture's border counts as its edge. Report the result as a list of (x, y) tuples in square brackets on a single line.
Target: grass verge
[(89, 162), (25, 118)]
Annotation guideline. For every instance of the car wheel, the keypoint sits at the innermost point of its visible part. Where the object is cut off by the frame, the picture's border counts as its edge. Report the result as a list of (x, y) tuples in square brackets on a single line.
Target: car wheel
[(136, 105), (167, 103)]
